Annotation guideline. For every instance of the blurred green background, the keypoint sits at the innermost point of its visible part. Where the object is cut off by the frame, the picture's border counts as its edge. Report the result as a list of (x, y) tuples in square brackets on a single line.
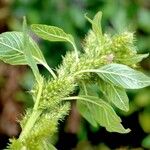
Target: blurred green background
[(118, 16)]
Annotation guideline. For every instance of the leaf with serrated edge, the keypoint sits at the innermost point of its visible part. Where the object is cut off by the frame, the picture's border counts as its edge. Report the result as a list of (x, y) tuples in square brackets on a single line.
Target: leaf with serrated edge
[(115, 95), (123, 76), (11, 49), (101, 113)]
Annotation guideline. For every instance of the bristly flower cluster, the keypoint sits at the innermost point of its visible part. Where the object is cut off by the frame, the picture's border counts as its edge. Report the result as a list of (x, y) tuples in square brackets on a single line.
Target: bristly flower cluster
[(101, 72)]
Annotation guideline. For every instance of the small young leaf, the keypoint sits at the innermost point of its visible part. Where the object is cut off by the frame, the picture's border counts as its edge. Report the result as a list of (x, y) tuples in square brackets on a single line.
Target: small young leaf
[(98, 112), (11, 49), (96, 24), (134, 59), (115, 95), (123, 76)]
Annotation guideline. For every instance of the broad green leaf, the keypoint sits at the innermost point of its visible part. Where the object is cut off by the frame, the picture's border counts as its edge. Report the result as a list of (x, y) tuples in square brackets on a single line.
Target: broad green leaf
[(51, 33), (86, 110), (134, 59), (91, 90), (115, 95), (54, 34), (99, 112), (11, 49), (123, 76)]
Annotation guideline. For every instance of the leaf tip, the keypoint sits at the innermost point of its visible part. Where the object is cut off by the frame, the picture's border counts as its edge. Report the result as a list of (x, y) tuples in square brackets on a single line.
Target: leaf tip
[(127, 130)]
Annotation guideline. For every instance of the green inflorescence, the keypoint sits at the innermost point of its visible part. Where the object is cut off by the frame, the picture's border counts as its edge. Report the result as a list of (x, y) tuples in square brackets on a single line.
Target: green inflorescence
[(91, 71)]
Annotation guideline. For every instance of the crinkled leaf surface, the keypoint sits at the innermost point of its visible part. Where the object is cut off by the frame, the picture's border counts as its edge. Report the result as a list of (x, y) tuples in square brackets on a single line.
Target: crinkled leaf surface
[(11, 49), (123, 76)]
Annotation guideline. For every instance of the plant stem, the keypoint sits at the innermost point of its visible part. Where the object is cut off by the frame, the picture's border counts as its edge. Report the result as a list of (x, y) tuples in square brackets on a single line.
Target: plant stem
[(38, 96), (76, 53), (50, 70), (31, 121), (34, 116), (44, 63)]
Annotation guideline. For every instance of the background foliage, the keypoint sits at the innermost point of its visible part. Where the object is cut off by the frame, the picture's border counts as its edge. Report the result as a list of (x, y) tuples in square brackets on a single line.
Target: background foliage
[(118, 15)]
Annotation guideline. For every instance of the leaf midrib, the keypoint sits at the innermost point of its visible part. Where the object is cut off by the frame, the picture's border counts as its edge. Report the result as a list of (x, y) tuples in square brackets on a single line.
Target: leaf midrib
[(53, 35), (102, 71), (119, 97), (19, 51), (106, 72)]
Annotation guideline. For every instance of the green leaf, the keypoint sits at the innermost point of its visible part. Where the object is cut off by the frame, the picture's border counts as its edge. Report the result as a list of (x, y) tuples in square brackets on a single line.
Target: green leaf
[(51, 33), (96, 111), (123, 76), (115, 95), (54, 34), (99, 112), (134, 59), (96, 24), (28, 55), (11, 49), (87, 89), (86, 110)]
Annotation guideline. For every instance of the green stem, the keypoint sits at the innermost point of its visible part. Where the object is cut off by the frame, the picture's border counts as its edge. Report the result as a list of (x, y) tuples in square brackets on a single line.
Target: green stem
[(30, 124), (38, 96), (50, 70), (76, 51), (34, 116), (44, 63)]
